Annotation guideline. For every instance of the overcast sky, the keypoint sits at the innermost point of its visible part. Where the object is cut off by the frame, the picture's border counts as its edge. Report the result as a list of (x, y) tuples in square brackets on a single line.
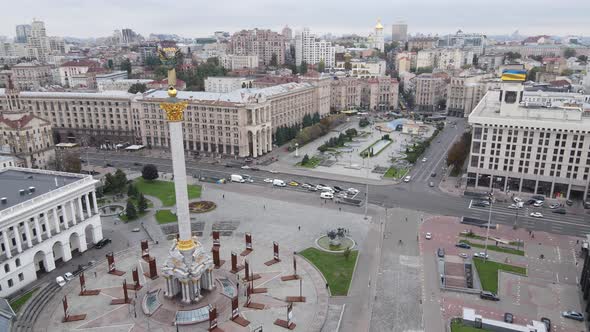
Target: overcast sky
[(199, 18)]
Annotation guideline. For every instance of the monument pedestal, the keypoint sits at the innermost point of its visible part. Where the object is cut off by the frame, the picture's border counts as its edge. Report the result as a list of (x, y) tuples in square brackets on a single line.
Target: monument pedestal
[(285, 324)]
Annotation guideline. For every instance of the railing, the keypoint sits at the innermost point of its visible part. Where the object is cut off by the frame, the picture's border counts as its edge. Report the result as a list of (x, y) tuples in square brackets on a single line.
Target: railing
[(84, 179)]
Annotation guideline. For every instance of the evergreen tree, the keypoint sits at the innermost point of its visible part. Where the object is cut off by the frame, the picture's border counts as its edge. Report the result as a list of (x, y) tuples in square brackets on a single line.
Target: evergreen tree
[(120, 180), (303, 68), (142, 203), (307, 121), (149, 172), (126, 65), (316, 118), (130, 210), (305, 160), (137, 87), (109, 181), (132, 191), (274, 60)]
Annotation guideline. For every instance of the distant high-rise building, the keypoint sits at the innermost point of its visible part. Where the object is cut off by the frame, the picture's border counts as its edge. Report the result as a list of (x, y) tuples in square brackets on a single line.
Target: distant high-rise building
[(117, 37), (23, 31), (399, 32), (287, 33), (128, 36), (312, 50), (38, 41), (262, 43), (378, 38)]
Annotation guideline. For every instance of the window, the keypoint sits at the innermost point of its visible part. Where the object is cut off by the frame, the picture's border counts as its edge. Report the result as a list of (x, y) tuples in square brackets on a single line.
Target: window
[(10, 283), (17, 262), (21, 277), (6, 268)]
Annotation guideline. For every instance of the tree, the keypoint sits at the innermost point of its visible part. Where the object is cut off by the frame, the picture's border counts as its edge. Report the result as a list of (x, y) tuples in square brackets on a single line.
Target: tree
[(532, 74), (149, 172), (364, 122), (109, 183), (566, 72), (132, 191), (305, 160), (347, 65), (315, 118), (120, 180), (346, 253), (422, 70), (569, 52), (137, 87), (142, 203), (152, 62), (391, 46), (351, 133), (6, 67), (307, 121), (536, 57), (110, 64), (70, 162), (322, 66), (303, 68), (274, 60), (511, 56), (583, 58), (126, 65), (130, 210)]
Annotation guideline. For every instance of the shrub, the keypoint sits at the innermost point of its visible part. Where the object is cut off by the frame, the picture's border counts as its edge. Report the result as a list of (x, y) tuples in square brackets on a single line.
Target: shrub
[(149, 172)]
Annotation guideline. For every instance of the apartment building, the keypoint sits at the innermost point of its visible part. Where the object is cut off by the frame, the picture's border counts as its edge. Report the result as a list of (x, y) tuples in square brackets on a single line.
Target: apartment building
[(399, 31), (226, 84), (373, 94), (422, 43), (444, 58), (73, 72), (29, 138), (31, 75), (405, 61), (234, 62), (259, 42), (528, 147), (431, 89), (466, 90), (45, 218), (312, 50), (364, 68)]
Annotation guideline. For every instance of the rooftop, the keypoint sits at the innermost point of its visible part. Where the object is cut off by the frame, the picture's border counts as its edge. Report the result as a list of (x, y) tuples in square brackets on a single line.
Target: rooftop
[(12, 180)]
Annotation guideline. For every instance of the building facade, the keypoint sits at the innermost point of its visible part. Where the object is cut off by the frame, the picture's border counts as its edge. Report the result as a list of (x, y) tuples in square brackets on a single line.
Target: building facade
[(422, 43), (431, 89), (23, 31), (45, 218), (73, 72), (234, 62), (29, 138), (226, 84), (31, 75), (38, 42), (312, 50), (465, 91), (374, 94), (528, 147), (399, 32), (262, 43), (364, 68)]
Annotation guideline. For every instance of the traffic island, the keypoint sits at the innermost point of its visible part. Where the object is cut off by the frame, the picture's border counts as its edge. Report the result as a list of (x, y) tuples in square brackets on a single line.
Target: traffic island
[(488, 272), (337, 268)]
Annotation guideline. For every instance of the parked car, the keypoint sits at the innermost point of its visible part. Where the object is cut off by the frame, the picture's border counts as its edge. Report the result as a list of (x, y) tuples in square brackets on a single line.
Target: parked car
[(569, 202), (513, 206), (338, 189), (237, 178), (481, 203), (268, 180), (587, 205), (228, 165), (463, 255), (547, 322), (559, 211), (463, 245), (538, 197), (509, 318), (424, 159), (481, 255), (428, 236), (109, 165), (60, 281), (407, 178), (135, 230), (68, 276), (573, 315), (485, 295), (312, 188), (531, 201), (433, 174), (352, 191), (440, 252), (538, 203), (536, 215), (431, 184), (306, 185), (516, 199), (102, 243), (554, 206), (136, 164), (255, 168), (326, 195)]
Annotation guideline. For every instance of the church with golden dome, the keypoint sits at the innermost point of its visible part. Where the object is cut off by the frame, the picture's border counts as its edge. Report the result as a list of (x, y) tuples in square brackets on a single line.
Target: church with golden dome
[(377, 40)]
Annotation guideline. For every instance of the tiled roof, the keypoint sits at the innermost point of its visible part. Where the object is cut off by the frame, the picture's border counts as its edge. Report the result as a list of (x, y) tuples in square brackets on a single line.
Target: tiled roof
[(17, 123), (80, 63)]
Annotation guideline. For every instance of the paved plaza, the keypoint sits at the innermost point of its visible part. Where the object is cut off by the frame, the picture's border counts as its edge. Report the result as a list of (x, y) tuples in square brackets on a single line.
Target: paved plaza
[(549, 287), (294, 226)]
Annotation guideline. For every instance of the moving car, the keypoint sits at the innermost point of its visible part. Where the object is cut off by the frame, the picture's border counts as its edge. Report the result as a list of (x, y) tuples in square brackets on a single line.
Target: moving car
[(294, 183), (60, 281), (509, 318), (424, 159), (407, 178), (547, 322), (573, 315), (481, 255), (279, 183), (481, 203), (102, 243), (554, 206), (237, 178), (531, 201), (352, 191), (433, 174), (268, 180), (327, 195), (135, 230), (569, 202), (538, 203), (560, 211), (536, 215), (485, 295), (440, 252), (463, 245), (338, 189), (538, 197), (245, 167), (306, 185), (136, 164), (428, 236), (248, 178), (431, 184), (463, 255), (68, 276), (516, 199)]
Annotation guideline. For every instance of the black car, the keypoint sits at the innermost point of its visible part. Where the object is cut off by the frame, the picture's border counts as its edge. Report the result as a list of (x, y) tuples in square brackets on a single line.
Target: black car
[(337, 189), (547, 322), (560, 211), (228, 165), (509, 318), (531, 201), (440, 252), (482, 203), (463, 245), (136, 164), (433, 174), (489, 296), (109, 165), (569, 202), (82, 161), (102, 243)]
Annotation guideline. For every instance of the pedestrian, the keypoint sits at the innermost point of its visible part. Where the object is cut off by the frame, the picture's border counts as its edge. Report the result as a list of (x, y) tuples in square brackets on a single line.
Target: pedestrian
[(223, 196), (327, 285), (265, 206), (339, 209), (95, 275), (299, 228)]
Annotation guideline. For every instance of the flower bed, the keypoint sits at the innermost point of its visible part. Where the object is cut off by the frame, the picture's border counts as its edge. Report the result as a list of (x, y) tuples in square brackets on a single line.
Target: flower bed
[(201, 206)]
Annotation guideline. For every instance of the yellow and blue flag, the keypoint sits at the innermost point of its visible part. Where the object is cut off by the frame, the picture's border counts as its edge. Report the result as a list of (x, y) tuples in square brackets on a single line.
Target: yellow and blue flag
[(514, 75)]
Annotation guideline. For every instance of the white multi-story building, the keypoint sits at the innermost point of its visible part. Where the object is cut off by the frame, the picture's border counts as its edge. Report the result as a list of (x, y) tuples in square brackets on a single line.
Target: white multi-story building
[(312, 50), (473, 41), (364, 68), (226, 84), (266, 44), (431, 89), (444, 58), (45, 217), (38, 41), (378, 38), (530, 147), (234, 62), (72, 72)]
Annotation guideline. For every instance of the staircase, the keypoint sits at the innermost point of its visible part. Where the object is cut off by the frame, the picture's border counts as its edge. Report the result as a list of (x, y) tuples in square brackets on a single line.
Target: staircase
[(26, 319)]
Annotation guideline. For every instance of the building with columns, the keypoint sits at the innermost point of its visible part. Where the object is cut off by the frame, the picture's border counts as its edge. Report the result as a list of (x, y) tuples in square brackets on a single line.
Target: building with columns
[(27, 137), (46, 217)]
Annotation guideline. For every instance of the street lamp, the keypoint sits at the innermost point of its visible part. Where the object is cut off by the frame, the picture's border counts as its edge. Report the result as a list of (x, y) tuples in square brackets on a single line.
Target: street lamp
[(491, 200)]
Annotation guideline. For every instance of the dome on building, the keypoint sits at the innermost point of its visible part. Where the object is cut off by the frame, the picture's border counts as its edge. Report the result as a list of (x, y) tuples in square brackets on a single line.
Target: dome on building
[(379, 25)]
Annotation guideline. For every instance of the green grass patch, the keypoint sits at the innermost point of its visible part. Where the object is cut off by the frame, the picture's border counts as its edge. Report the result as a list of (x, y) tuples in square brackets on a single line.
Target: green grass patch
[(488, 272), (313, 162), (336, 268), (495, 248), (365, 152), (165, 217), (458, 326), (395, 173), (473, 236), (164, 190), (20, 301), (149, 203)]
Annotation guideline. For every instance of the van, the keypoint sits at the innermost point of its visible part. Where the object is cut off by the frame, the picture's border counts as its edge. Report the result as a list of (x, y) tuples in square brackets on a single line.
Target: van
[(327, 195), (278, 183), (407, 178), (237, 178)]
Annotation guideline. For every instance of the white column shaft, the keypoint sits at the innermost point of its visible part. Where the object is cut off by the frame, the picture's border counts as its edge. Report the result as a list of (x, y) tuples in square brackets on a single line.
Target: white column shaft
[(73, 209), (88, 209), (6, 244), (56, 220), (38, 228), (29, 234), (17, 237), (180, 182), (46, 222), (64, 210), (80, 210), (94, 202)]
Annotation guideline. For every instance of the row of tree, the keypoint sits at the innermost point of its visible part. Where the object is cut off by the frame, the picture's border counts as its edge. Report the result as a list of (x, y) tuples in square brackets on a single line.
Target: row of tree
[(320, 129), (336, 142), (286, 133), (459, 151), (115, 184)]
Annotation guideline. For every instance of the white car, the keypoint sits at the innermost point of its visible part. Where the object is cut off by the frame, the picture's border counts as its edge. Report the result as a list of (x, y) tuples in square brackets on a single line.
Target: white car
[(428, 236), (481, 255), (352, 191), (407, 178), (515, 206), (324, 188), (268, 180), (538, 203), (554, 206), (536, 214), (60, 281), (306, 185), (463, 255), (516, 199), (327, 195), (273, 171), (68, 276), (424, 160), (245, 167)]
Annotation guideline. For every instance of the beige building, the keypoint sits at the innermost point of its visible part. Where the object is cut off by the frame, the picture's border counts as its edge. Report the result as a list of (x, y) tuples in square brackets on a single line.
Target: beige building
[(31, 75), (73, 72), (405, 61), (371, 94), (262, 43), (226, 83), (364, 68), (430, 91), (465, 91), (234, 62), (422, 43), (29, 138)]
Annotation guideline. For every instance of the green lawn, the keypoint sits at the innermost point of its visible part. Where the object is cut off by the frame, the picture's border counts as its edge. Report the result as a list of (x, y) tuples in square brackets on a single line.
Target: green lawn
[(312, 163), (165, 216), (365, 152), (488, 272), (495, 248), (336, 268), (395, 173), (458, 326), (473, 236), (20, 301), (164, 190), (134, 200)]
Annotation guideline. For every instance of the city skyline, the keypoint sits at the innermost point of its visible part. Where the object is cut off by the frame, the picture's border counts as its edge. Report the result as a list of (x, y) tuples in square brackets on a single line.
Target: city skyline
[(192, 20)]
